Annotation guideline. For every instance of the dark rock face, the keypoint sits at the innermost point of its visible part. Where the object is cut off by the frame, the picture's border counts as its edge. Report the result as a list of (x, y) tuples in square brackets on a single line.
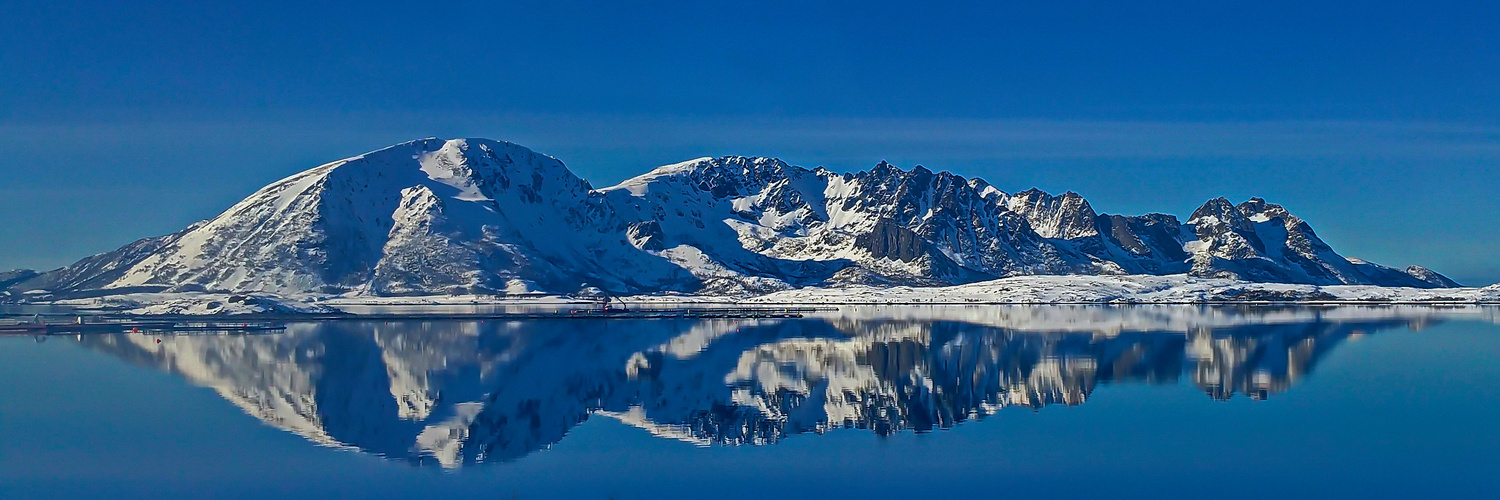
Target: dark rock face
[(1144, 244), (1149, 236), (890, 240)]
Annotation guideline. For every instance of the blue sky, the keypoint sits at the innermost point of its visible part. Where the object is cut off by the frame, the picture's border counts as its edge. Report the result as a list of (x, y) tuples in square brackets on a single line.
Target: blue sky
[(1379, 122)]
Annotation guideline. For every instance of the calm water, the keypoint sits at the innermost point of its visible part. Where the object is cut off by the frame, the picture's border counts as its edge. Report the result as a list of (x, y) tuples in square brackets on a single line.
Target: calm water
[(1134, 402)]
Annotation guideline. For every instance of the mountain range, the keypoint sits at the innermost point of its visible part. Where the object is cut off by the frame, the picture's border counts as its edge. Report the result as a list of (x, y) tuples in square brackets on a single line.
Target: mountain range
[(476, 216)]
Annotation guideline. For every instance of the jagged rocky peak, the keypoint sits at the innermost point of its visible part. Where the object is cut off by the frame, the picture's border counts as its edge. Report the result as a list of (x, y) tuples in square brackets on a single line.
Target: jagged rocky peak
[(988, 192), (1067, 216), (722, 177), (1258, 210), (1261, 241), (1225, 232), (1221, 213), (957, 221), (752, 188), (918, 196)]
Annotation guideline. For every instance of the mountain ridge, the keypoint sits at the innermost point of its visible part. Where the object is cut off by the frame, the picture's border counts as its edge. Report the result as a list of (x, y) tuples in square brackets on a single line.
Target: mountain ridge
[(477, 216)]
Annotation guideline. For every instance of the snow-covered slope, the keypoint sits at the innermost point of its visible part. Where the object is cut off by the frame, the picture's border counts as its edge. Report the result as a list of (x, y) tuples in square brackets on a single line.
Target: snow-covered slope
[(474, 216), (424, 217)]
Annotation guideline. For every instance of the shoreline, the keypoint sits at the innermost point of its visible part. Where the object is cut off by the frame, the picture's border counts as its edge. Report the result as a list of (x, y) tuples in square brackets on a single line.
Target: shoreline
[(1033, 290)]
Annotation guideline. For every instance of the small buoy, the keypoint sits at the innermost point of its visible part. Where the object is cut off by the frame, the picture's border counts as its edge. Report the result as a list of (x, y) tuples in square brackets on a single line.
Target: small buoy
[(158, 341)]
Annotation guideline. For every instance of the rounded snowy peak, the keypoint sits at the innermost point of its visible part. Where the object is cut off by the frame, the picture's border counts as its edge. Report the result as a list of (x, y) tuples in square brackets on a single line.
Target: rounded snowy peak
[(475, 167), (461, 150), (462, 144)]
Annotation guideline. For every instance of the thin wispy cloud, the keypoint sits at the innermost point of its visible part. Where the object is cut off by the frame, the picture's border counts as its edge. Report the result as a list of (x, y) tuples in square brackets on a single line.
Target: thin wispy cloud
[(1123, 166), (839, 141)]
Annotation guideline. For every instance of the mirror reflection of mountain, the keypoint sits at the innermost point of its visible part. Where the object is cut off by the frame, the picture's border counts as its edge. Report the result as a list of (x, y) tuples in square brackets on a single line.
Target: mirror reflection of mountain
[(452, 393)]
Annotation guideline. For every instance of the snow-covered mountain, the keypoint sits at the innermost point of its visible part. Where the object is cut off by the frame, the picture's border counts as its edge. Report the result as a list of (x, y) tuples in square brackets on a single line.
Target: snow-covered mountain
[(477, 216), (454, 393), (423, 217)]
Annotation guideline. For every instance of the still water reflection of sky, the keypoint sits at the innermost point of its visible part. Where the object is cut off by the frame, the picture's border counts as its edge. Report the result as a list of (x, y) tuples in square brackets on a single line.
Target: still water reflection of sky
[(1050, 401)]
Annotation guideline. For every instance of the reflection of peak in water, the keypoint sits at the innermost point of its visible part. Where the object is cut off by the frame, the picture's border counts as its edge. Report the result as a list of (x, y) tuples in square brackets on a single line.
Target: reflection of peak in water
[(460, 392), (1265, 360)]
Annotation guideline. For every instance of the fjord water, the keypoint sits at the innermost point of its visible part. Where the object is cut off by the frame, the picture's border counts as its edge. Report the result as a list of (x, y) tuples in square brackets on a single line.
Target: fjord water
[(1045, 401)]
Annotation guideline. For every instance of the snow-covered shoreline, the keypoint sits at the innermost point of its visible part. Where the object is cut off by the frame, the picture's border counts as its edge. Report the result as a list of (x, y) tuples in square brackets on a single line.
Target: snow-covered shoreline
[(1020, 290), (1131, 289), (195, 304)]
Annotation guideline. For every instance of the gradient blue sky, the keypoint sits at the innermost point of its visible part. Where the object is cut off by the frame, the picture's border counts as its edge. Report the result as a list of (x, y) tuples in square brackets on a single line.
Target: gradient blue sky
[(1379, 122)]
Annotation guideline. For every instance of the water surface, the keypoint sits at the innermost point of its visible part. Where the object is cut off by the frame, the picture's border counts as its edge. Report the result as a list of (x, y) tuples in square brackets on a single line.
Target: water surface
[(1046, 401)]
